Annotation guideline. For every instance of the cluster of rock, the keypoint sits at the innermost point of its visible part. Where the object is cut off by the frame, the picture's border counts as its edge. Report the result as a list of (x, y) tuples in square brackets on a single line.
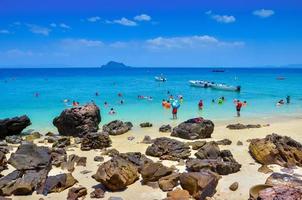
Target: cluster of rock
[(165, 128), (242, 126), (192, 129), (146, 125), (117, 127)]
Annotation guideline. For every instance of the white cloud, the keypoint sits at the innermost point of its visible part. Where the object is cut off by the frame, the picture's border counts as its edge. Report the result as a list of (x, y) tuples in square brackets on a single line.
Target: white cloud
[(18, 52), (142, 17), (53, 25), (263, 13), (4, 31), (38, 29), (221, 18), (93, 19), (62, 25), (82, 42), (125, 22)]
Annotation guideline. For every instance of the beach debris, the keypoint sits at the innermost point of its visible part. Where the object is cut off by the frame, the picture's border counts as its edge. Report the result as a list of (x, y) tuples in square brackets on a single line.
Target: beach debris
[(239, 143), (98, 140), (178, 194), (283, 179), (196, 144), (200, 184), (280, 192), (136, 158), (154, 171), (58, 183), (165, 128), (13, 139), (116, 174), (192, 129), (31, 137), (98, 159), (111, 152), (147, 140), (264, 169), (234, 186), (276, 149), (58, 156), (78, 121), (98, 193), (168, 149), (75, 192), (117, 127), (13, 126), (61, 142), (145, 125), (224, 142), (167, 183)]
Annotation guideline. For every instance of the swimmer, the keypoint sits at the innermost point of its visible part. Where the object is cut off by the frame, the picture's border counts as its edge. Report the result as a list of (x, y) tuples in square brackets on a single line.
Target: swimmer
[(119, 94), (37, 94), (213, 100), (163, 103), (106, 104), (112, 112), (75, 104), (168, 105), (122, 102), (97, 94), (200, 105), (220, 101), (280, 102)]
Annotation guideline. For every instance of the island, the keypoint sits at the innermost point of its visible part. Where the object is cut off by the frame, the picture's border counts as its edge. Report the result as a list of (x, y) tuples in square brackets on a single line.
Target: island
[(115, 65)]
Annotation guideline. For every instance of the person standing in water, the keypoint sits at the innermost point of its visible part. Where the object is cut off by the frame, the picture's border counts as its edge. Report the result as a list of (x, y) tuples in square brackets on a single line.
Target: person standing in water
[(200, 105), (288, 99), (175, 106), (238, 107)]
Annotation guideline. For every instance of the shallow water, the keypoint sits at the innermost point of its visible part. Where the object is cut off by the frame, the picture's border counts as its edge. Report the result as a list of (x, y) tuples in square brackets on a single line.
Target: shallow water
[(259, 88)]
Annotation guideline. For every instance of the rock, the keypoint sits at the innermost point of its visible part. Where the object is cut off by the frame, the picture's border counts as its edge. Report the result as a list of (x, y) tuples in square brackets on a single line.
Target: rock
[(98, 193), (58, 156), (167, 183), (196, 144), (32, 136), (283, 179), (209, 150), (168, 149), (58, 183), (85, 171), (264, 169), (165, 128), (280, 192), (78, 121), (30, 157), (242, 126), (72, 160), (98, 159), (50, 134), (147, 140), (239, 143), (76, 192), (13, 126), (115, 198), (116, 174), (51, 139), (130, 138), (145, 125), (199, 184), (82, 161), (193, 129), (136, 158), (14, 139), (111, 152), (234, 186), (117, 127), (178, 194), (3, 162), (77, 140), (61, 142), (95, 141), (224, 142), (154, 171), (276, 149)]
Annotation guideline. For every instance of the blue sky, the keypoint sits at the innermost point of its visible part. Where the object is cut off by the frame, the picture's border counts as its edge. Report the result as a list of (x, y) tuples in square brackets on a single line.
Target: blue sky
[(150, 33)]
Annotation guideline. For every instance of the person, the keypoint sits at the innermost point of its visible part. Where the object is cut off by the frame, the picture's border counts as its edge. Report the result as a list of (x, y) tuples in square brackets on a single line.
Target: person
[(122, 101), (288, 99), (120, 94), (112, 112), (222, 98), (213, 100), (163, 103), (174, 112), (280, 102), (37, 94), (220, 101), (106, 104), (238, 107), (75, 104), (168, 105), (96, 94), (181, 98), (200, 105)]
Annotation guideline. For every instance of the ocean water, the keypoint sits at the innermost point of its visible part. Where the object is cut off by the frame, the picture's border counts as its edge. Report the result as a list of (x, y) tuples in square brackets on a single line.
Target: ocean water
[(260, 89)]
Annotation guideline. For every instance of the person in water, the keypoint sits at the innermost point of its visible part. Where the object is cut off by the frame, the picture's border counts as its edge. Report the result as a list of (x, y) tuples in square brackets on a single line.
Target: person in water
[(213, 100), (119, 94), (163, 103), (280, 102), (288, 99), (105, 104), (220, 101), (174, 112), (239, 105), (122, 102), (112, 111), (97, 94), (200, 105), (75, 104), (168, 105)]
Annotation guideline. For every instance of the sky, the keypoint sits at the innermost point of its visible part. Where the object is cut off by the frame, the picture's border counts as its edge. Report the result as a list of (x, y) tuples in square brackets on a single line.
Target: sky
[(150, 33)]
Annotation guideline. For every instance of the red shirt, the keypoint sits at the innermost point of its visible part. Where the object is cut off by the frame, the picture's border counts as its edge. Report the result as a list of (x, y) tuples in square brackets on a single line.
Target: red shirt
[(239, 105)]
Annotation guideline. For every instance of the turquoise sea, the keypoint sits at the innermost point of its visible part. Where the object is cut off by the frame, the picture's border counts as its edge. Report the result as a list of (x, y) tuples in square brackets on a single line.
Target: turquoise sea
[(260, 88)]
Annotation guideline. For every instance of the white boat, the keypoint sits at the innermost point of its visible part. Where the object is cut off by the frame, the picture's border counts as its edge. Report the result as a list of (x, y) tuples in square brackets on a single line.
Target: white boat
[(202, 84), (226, 87), (160, 78)]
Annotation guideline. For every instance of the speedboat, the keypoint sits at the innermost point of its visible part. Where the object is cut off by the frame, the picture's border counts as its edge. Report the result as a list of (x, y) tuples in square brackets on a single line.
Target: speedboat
[(160, 78), (226, 87), (202, 84)]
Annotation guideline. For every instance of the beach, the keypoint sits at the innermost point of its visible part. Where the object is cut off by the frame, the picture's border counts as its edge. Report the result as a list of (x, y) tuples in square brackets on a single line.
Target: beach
[(246, 177)]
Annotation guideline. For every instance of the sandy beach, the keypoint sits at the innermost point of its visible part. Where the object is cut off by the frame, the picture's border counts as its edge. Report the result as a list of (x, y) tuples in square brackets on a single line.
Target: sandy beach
[(246, 177)]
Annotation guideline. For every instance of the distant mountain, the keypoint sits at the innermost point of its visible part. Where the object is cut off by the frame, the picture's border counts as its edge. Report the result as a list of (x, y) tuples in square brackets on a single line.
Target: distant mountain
[(115, 65)]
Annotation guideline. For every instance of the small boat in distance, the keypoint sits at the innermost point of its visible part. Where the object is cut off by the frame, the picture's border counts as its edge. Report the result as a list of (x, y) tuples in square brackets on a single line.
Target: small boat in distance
[(280, 78), (226, 87), (202, 84), (218, 70), (160, 78)]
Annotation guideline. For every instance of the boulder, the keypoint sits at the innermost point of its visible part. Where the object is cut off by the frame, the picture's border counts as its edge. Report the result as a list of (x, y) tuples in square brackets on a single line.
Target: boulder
[(116, 174), (78, 121), (200, 184), (3, 162), (242, 126), (196, 144), (117, 127), (61, 142), (98, 159), (95, 141), (193, 129), (208, 151), (165, 128), (276, 149), (111, 152), (167, 183), (283, 179), (13, 126), (234, 186), (147, 140), (72, 160), (178, 194), (168, 149), (136, 158), (58, 183), (76, 192), (58, 156), (280, 192), (145, 125), (154, 171)]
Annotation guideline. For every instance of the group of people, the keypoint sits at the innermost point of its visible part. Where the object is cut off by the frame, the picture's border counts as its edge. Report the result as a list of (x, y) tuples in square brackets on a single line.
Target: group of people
[(282, 102)]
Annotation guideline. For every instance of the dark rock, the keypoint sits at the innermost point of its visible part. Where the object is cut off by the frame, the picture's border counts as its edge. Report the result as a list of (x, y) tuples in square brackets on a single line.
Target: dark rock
[(224, 142), (154, 171), (242, 126), (72, 160), (76, 192), (85, 172), (276, 149), (178, 194), (95, 141), (78, 121), (51, 139), (209, 150), (82, 161), (58, 183), (167, 183), (199, 184), (239, 143), (61, 142), (280, 192), (147, 140), (196, 144), (98, 158), (117, 127), (264, 169), (50, 134), (138, 159), (145, 125), (58, 156), (98, 193), (234, 186), (13, 126), (165, 128), (193, 129), (116, 174), (3, 161), (284, 179), (111, 152), (168, 149), (14, 139)]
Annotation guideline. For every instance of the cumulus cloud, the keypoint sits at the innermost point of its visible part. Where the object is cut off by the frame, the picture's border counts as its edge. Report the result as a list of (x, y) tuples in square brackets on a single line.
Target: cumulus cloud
[(221, 18), (82, 42), (263, 13), (94, 19), (38, 29), (142, 17), (125, 22), (4, 31), (64, 26)]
